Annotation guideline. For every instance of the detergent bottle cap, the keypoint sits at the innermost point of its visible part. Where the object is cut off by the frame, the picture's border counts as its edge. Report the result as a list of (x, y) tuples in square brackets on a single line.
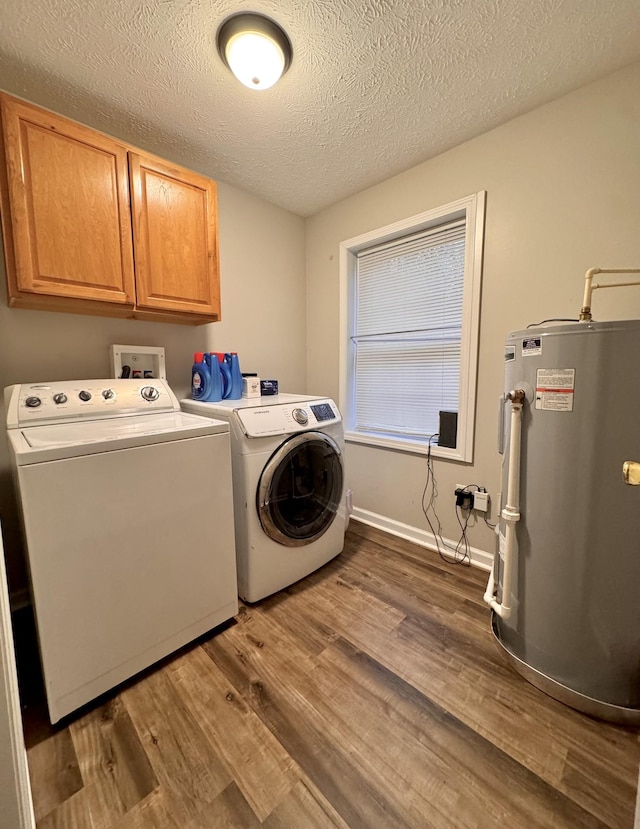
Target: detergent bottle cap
[(198, 356)]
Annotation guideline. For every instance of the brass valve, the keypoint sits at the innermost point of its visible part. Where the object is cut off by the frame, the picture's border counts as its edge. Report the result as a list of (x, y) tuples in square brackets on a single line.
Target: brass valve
[(631, 473)]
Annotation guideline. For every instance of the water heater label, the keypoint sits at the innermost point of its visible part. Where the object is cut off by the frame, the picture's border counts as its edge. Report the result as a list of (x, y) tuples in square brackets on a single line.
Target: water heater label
[(532, 347), (555, 388)]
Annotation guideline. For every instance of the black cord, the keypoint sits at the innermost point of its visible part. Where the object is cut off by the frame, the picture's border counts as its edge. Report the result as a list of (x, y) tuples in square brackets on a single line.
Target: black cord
[(466, 557), (544, 322), (429, 504)]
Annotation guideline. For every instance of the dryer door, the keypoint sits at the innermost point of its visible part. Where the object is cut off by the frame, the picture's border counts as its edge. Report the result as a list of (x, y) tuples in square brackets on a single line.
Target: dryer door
[(300, 489)]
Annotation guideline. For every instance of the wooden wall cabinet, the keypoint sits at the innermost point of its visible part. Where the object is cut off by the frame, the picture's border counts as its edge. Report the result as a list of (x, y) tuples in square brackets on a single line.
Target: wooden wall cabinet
[(93, 226), (175, 238)]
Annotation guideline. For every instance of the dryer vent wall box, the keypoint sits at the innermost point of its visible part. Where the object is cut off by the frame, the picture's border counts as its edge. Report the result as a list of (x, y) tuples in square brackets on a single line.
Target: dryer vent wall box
[(137, 362)]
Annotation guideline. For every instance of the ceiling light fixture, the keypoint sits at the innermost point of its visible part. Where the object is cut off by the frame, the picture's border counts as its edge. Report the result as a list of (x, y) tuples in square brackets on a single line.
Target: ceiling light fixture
[(255, 48)]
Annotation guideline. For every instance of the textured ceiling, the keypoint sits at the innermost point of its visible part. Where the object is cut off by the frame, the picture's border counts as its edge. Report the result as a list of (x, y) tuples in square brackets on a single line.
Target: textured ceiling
[(375, 87)]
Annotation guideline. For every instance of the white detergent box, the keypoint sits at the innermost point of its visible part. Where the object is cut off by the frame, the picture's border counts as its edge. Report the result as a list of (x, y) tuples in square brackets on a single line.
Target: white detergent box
[(250, 386)]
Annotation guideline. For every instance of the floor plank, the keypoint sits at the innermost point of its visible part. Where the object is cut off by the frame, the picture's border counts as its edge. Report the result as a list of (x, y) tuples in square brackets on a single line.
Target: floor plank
[(72, 813), (369, 695), (113, 759), (304, 806), (190, 771), (466, 761), (462, 671), (260, 766), (229, 810), (154, 812), (262, 675), (54, 772), (392, 733)]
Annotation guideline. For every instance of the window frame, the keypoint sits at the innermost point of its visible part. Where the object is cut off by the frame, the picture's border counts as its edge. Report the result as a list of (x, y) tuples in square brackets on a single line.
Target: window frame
[(472, 210)]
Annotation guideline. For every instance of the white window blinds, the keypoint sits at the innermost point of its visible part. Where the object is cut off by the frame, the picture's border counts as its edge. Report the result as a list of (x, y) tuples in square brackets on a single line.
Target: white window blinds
[(408, 330)]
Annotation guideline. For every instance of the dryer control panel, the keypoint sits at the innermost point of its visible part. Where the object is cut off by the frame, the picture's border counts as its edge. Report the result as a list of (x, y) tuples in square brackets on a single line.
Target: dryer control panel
[(287, 418), (40, 403)]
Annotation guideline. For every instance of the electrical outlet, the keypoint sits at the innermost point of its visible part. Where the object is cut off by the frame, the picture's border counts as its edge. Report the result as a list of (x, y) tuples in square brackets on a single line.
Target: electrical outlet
[(481, 501), (464, 497), (471, 498)]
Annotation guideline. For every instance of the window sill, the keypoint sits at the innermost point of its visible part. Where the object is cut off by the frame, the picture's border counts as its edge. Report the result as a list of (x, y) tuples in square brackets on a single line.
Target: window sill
[(411, 447)]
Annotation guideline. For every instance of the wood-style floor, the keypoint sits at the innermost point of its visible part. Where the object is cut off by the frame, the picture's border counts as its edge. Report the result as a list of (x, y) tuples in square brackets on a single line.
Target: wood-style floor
[(369, 695)]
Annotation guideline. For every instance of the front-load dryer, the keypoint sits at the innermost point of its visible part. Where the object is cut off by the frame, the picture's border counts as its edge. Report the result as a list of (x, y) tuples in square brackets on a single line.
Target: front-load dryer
[(287, 454)]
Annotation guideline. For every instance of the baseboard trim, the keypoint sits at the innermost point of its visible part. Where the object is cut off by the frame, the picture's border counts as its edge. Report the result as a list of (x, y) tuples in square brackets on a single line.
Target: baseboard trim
[(479, 558)]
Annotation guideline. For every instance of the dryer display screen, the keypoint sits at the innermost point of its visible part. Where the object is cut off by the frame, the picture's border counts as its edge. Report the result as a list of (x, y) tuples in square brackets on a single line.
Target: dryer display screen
[(323, 411)]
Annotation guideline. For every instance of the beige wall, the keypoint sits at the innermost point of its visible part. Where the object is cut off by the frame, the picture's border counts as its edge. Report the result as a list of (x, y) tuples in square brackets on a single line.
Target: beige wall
[(263, 309), (563, 195)]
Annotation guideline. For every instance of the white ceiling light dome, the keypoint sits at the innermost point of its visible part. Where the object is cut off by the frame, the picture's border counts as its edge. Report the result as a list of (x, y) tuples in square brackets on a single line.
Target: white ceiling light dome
[(255, 48)]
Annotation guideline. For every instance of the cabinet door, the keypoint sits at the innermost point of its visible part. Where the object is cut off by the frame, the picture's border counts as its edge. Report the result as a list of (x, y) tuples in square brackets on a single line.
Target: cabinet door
[(175, 238), (67, 194)]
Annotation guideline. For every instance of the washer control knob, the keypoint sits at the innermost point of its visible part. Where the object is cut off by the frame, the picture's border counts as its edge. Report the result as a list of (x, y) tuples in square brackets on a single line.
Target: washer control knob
[(149, 393), (84, 395), (32, 402), (59, 398), (108, 394), (300, 416)]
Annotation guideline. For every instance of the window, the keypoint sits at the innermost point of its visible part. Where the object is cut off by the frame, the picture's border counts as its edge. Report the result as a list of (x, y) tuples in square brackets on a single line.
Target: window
[(410, 300)]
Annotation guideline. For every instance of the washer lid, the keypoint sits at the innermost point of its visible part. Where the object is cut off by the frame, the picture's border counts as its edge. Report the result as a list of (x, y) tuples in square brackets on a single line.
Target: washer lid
[(68, 440)]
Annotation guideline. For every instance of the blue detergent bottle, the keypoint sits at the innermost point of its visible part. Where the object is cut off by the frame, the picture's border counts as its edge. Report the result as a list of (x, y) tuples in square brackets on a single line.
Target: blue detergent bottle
[(232, 361), (200, 377), (215, 379), (225, 373)]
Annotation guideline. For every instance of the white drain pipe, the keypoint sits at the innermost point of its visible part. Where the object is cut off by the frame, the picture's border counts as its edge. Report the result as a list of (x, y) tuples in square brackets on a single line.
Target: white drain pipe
[(585, 311), (511, 511)]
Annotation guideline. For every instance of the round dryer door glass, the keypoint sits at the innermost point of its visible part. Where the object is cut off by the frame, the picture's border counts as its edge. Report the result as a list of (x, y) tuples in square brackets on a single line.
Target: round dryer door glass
[(300, 489)]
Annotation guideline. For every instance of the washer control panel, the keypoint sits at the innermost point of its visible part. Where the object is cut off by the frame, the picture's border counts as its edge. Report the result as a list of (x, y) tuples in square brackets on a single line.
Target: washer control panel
[(285, 418), (85, 399)]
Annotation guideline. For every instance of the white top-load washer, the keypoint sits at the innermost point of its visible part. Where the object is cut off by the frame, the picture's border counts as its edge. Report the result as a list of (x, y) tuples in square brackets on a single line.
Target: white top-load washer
[(288, 483), (128, 519)]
